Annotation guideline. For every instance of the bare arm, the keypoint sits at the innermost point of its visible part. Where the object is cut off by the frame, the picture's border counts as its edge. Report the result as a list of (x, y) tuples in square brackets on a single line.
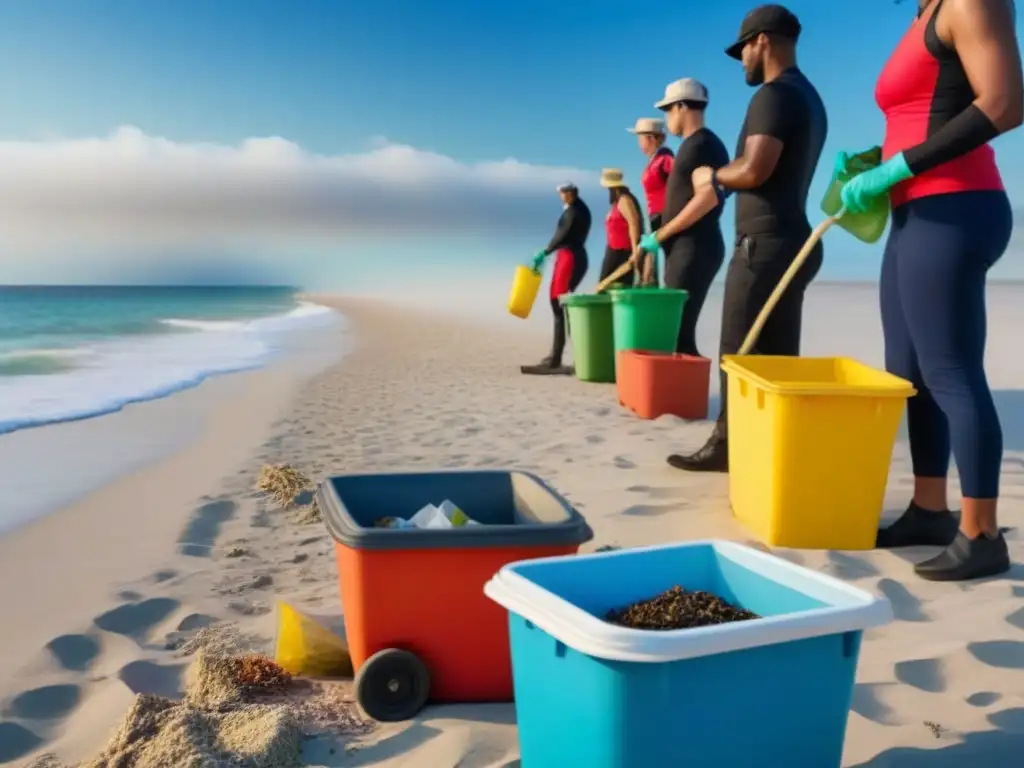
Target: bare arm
[(701, 204), (982, 33), (632, 215), (755, 166)]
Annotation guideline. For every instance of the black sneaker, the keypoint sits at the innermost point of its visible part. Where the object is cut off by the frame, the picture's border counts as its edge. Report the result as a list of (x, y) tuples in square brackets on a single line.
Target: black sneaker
[(713, 457), (967, 559), (919, 528)]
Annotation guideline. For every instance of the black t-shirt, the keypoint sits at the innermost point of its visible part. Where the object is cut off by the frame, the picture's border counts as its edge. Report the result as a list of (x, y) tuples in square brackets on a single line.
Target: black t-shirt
[(573, 228), (700, 148), (790, 110)]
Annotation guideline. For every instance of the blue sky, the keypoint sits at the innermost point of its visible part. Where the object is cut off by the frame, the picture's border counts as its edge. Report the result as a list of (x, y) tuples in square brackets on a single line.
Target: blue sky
[(546, 83)]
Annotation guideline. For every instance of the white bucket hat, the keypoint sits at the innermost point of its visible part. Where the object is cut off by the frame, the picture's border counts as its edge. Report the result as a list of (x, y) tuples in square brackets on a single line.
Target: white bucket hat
[(686, 89), (612, 177), (650, 125)]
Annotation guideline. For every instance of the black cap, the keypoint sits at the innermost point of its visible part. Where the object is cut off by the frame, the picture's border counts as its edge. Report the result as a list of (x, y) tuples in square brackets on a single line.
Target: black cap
[(765, 19)]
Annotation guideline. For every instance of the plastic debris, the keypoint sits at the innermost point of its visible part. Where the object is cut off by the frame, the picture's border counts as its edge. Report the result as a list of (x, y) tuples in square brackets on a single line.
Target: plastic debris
[(442, 516), (306, 647)]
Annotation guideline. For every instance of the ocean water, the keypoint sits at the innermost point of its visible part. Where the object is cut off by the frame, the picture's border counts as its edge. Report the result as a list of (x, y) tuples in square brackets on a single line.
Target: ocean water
[(69, 353)]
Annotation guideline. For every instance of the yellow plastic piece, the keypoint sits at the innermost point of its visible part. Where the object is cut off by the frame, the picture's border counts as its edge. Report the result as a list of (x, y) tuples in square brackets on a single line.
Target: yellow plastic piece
[(524, 291), (306, 647), (459, 518), (810, 442)]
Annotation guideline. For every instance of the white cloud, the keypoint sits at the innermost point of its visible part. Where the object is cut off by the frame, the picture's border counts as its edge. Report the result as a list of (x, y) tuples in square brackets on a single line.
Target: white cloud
[(133, 189)]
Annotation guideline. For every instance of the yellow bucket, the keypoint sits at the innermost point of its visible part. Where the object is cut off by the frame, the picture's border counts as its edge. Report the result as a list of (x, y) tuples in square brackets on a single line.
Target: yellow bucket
[(810, 442), (524, 291)]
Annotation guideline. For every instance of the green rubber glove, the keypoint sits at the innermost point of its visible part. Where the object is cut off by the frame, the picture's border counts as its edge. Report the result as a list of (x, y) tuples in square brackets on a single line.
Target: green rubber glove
[(538, 261), (649, 243), (859, 192)]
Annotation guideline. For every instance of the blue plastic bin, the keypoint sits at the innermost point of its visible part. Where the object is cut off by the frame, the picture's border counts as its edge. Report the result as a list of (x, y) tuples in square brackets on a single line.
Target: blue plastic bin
[(773, 691)]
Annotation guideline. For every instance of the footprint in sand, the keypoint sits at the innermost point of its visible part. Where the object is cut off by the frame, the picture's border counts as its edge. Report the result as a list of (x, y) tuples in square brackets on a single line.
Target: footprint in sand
[(905, 606), (926, 675), (850, 567), (649, 510), (165, 575), (622, 462), (870, 701), (157, 679), (75, 653), (16, 741), (983, 698), (1002, 654), (136, 619), (204, 527), (1016, 619), (51, 702)]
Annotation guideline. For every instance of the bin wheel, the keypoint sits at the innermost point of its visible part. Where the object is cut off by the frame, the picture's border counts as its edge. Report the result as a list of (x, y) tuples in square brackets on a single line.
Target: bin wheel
[(392, 685)]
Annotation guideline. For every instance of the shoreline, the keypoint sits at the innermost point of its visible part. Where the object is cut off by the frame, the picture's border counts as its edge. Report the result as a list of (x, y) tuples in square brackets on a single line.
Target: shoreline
[(422, 390)]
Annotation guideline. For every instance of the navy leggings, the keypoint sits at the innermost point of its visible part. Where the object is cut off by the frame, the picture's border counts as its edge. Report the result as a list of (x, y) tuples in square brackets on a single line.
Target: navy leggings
[(939, 251)]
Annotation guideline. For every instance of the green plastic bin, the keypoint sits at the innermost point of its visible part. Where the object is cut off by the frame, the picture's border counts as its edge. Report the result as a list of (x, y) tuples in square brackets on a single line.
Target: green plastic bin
[(647, 319), (591, 332)]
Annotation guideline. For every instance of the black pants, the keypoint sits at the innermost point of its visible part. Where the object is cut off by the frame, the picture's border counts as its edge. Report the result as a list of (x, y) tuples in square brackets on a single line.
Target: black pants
[(578, 272), (691, 265), (757, 264), (613, 259)]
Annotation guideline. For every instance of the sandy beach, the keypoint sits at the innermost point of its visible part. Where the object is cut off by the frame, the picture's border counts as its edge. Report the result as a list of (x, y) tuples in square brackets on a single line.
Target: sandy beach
[(100, 598)]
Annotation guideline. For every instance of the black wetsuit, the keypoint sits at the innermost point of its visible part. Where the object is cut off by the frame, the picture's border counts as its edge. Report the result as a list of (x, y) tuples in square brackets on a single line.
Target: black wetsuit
[(569, 242), (771, 221), (693, 257)]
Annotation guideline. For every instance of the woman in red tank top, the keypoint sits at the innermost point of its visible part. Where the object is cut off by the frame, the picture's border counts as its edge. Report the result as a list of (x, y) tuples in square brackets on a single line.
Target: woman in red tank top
[(623, 225), (952, 85), (650, 135)]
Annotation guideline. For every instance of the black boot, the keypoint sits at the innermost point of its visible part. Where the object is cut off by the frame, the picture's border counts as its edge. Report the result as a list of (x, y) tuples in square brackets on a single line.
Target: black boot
[(713, 457), (552, 364), (967, 559), (919, 528)]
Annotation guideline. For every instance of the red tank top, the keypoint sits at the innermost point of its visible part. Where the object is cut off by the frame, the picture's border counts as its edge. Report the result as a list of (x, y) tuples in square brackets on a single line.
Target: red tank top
[(922, 87), (616, 229), (655, 179)]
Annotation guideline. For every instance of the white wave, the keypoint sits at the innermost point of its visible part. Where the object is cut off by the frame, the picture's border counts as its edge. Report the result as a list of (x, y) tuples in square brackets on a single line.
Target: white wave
[(305, 311), (129, 370)]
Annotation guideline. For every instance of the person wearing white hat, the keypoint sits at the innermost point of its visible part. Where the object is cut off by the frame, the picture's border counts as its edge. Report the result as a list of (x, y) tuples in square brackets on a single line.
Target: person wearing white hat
[(689, 233), (650, 136), (569, 246), (623, 224)]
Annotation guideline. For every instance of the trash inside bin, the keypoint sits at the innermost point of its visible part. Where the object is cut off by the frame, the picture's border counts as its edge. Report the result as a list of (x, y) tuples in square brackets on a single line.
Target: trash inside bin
[(420, 590)]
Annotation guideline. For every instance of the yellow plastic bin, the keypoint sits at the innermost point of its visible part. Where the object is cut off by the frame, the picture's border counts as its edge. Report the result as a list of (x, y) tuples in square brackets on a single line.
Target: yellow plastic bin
[(810, 442), (524, 291)]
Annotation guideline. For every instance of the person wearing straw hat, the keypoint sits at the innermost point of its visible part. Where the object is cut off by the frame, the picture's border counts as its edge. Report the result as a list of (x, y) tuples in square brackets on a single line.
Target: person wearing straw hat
[(569, 246), (650, 135), (623, 225), (776, 156), (690, 232)]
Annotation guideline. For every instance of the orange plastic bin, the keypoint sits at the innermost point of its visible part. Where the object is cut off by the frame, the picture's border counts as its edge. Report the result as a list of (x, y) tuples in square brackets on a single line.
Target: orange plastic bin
[(417, 622), (652, 384)]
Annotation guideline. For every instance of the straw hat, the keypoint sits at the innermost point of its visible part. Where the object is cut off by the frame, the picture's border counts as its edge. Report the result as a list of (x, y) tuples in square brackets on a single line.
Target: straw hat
[(612, 177), (651, 125)]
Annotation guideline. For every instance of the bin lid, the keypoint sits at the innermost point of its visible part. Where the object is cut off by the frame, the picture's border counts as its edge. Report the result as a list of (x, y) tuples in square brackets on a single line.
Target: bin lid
[(821, 376), (584, 299), (847, 609), (634, 295)]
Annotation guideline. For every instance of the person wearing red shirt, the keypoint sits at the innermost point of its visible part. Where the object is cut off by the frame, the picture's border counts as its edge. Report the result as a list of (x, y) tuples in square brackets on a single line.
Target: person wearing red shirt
[(952, 84), (650, 135), (623, 225)]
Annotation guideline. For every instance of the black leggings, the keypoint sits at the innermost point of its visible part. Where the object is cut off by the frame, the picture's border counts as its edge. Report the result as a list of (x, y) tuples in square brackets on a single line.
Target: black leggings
[(579, 271), (691, 265), (613, 259), (932, 292), (757, 264)]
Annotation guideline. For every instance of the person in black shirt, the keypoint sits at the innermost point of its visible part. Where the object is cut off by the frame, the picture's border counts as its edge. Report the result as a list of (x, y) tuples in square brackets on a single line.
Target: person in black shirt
[(778, 151), (569, 245), (690, 231)]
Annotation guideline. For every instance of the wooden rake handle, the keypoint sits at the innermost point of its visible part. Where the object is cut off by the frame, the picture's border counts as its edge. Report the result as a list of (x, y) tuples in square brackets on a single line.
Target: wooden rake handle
[(614, 276), (784, 281)]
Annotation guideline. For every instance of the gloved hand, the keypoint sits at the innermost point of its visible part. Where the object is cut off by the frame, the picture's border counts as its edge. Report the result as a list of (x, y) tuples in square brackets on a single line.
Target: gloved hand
[(538, 261), (649, 243), (859, 192)]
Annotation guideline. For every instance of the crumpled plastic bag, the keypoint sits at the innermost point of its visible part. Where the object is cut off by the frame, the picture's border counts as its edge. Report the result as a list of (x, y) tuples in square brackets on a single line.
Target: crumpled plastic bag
[(445, 515)]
